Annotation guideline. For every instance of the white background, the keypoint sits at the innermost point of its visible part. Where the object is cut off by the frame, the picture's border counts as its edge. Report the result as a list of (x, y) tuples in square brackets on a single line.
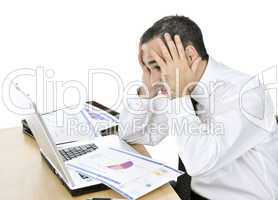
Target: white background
[(71, 37)]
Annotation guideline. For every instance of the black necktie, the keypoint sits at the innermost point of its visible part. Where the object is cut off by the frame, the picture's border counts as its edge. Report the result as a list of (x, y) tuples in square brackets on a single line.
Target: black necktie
[(183, 186)]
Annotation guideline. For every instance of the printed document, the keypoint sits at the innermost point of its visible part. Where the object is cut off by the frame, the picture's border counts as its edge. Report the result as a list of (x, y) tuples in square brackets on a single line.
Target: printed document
[(130, 174)]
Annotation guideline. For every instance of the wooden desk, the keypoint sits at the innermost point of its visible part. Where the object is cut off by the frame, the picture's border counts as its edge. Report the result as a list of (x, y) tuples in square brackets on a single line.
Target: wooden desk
[(25, 175)]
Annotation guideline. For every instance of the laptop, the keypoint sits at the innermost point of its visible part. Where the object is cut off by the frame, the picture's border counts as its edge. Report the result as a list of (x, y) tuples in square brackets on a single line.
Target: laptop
[(57, 155)]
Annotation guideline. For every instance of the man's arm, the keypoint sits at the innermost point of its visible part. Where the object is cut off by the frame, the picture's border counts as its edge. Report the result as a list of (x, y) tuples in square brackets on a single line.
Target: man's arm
[(141, 120), (230, 133)]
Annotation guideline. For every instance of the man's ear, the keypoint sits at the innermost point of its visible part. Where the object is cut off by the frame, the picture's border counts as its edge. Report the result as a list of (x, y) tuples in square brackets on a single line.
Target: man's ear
[(191, 54)]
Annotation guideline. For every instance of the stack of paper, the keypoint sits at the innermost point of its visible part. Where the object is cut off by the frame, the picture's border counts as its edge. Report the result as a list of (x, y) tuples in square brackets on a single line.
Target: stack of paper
[(67, 124), (130, 174)]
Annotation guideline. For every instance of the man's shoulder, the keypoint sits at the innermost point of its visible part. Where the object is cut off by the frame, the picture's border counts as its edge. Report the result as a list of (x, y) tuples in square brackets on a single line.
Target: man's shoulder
[(234, 82), (231, 74)]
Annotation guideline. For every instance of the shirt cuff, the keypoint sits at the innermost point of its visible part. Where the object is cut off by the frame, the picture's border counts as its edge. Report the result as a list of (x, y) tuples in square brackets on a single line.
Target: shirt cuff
[(136, 104)]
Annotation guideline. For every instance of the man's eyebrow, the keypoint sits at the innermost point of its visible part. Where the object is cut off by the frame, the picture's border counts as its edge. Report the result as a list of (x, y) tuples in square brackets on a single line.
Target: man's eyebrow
[(152, 62)]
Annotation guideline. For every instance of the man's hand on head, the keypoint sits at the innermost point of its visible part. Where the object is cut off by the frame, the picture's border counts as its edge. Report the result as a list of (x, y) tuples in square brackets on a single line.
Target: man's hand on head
[(175, 68)]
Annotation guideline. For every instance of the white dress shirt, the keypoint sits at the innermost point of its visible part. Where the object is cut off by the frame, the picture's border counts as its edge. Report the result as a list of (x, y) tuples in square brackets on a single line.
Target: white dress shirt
[(229, 146)]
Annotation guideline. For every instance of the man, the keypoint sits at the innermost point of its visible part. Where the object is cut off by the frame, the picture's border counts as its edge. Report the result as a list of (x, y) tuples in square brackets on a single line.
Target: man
[(223, 120)]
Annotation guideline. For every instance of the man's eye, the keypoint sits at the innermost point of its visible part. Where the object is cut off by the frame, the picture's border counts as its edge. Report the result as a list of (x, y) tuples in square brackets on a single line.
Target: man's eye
[(156, 67)]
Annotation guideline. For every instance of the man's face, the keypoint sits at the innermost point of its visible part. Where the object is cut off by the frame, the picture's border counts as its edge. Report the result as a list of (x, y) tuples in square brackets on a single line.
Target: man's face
[(149, 62)]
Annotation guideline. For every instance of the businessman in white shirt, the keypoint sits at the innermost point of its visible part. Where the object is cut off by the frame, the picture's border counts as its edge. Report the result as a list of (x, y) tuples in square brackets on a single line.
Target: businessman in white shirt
[(223, 120)]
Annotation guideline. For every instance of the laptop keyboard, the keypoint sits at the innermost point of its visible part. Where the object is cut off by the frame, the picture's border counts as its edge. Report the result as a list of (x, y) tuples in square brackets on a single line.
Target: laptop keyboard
[(74, 152)]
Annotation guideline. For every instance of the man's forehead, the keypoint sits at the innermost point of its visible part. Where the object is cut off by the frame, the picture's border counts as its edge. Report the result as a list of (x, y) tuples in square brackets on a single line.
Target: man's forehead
[(151, 45)]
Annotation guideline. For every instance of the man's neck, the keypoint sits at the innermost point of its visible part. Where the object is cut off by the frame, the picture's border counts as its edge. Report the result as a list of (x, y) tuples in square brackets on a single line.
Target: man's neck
[(201, 69), (199, 73)]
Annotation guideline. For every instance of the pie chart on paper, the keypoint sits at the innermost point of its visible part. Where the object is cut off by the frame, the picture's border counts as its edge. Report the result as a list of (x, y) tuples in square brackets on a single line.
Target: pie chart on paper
[(120, 166)]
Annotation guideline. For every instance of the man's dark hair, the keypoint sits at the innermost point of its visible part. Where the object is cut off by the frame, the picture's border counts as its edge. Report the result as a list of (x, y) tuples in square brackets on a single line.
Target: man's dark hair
[(189, 32)]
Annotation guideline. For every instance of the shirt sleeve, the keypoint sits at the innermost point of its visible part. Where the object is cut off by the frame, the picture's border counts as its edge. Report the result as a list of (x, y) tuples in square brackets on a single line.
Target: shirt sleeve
[(144, 121), (208, 145)]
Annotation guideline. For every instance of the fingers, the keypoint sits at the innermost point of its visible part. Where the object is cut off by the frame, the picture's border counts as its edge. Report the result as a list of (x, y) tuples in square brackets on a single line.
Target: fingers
[(164, 50), (179, 46), (171, 45), (145, 70), (140, 59), (144, 65), (159, 61), (195, 64)]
